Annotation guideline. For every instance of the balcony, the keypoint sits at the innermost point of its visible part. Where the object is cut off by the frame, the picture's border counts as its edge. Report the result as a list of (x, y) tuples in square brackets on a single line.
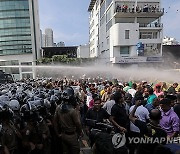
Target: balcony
[(130, 12), (150, 36), (151, 25)]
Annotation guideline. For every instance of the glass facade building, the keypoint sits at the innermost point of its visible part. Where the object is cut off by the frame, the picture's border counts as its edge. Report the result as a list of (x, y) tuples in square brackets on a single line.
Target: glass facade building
[(15, 27)]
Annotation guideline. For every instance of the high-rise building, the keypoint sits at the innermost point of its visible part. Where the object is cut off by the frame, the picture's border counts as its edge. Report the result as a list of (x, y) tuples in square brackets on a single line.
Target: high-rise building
[(49, 37), (126, 31), (43, 40), (19, 35)]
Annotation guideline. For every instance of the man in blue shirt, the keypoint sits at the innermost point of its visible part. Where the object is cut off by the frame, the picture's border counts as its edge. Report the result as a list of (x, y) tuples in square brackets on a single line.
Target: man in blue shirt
[(154, 104)]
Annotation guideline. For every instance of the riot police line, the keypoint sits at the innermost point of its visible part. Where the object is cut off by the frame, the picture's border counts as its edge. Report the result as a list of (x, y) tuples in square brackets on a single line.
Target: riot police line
[(26, 118), (29, 119)]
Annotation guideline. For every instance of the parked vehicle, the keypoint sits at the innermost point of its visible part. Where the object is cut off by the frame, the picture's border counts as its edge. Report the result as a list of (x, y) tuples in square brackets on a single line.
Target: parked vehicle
[(5, 78)]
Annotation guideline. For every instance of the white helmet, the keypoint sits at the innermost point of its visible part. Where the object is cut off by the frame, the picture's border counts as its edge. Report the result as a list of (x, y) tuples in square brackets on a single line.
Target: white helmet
[(14, 105), (47, 103), (4, 99)]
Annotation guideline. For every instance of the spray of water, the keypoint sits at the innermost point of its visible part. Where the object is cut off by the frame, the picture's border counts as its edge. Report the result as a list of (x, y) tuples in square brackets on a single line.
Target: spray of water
[(106, 72)]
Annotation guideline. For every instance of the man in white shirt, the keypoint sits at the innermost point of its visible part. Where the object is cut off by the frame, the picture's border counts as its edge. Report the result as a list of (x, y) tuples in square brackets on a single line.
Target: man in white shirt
[(132, 91), (109, 104), (143, 114)]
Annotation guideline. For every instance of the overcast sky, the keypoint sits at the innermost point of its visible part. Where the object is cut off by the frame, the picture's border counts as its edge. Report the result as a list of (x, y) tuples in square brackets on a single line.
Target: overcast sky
[(69, 19)]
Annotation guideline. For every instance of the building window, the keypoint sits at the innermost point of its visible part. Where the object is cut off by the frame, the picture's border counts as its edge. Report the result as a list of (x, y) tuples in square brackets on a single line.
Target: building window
[(108, 25), (126, 34), (108, 41), (148, 35), (97, 2), (124, 50), (102, 9)]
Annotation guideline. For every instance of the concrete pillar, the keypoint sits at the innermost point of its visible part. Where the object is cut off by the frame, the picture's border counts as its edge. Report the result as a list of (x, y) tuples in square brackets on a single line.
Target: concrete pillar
[(34, 70), (20, 70)]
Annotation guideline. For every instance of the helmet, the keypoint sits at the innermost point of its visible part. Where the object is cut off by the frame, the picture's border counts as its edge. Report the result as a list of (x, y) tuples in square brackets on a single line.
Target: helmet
[(51, 92), (4, 91), (21, 96), (57, 93), (28, 108), (4, 100), (54, 99), (29, 111), (13, 91), (41, 95), (36, 103), (47, 103), (14, 105), (68, 96)]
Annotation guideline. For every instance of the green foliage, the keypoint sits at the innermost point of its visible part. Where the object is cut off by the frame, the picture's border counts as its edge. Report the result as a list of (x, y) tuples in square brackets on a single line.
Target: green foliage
[(44, 61), (65, 60)]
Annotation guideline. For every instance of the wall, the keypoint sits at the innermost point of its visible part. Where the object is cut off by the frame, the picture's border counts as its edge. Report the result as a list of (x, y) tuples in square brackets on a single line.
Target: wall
[(83, 51)]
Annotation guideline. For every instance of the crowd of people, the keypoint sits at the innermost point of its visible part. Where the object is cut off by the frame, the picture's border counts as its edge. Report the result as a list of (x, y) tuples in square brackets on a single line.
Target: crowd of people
[(138, 9), (47, 116)]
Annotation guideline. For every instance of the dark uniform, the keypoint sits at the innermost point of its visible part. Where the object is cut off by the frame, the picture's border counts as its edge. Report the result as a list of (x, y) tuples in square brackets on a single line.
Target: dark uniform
[(9, 137), (36, 134), (67, 124)]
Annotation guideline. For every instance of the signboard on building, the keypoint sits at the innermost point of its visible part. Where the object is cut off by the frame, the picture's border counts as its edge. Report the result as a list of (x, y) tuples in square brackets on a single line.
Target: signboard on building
[(140, 49), (125, 60), (154, 59), (128, 60)]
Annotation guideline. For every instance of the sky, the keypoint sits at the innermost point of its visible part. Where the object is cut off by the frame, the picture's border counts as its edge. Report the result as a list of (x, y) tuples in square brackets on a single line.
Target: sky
[(69, 19)]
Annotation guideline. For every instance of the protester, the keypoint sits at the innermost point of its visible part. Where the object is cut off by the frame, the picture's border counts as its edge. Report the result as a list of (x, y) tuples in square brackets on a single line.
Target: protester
[(172, 89), (132, 91), (151, 130), (97, 112), (177, 106), (143, 115), (149, 94), (170, 121), (158, 90), (154, 105), (109, 104)]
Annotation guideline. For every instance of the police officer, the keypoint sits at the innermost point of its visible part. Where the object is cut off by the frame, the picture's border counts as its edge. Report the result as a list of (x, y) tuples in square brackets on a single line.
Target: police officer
[(9, 133), (35, 133), (67, 123)]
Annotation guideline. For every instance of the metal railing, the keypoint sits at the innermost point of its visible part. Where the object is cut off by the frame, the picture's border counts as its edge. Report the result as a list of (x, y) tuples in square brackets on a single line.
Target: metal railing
[(138, 10), (150, 25)]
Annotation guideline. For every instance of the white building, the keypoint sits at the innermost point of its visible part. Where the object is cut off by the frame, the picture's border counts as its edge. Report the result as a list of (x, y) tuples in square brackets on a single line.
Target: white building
[(43, 40), (19, 36), (61, 44), (49, 37), (170, 41), (126, 31), (83, 51)]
